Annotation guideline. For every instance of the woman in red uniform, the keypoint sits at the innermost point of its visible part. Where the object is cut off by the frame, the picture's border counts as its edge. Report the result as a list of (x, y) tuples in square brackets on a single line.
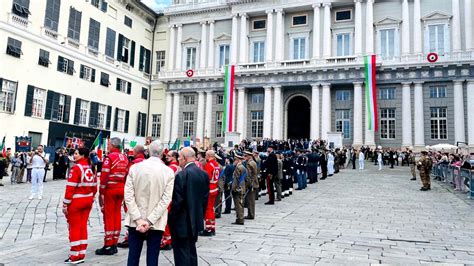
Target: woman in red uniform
[(81, 188)]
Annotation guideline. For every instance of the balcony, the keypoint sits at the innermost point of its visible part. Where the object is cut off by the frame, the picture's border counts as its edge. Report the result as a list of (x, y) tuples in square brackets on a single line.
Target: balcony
[(73, 43), (49, 33), (17, 20)]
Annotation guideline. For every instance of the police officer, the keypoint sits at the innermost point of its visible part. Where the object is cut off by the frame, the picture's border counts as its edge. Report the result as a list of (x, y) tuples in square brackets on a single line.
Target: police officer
[(424, 167), (238, 188), (412, 163), (252, 184), (228, 177)]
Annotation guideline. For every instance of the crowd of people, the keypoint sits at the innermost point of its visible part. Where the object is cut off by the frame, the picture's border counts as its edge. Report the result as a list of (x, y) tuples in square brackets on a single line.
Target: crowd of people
[(171, 197)]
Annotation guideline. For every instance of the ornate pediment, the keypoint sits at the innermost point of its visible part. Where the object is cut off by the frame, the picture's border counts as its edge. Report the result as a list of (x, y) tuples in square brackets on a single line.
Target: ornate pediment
[(190, 40), (223, 37), (436, 15), (388, 21)]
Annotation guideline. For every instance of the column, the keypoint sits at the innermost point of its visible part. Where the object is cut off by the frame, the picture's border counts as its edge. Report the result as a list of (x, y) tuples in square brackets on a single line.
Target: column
[(470, 112), (279, 36), (269, 39), (369, 32), (241, 110), (277, 127), (357, 141), (456, 26), (327, 31), (179, 49), (243, 39), (468, 24), (326, 111), (459, 125), (208, 115), (175, 119), (168, 112), (267, 112), (406, 115), (316, 34), (203, 55), (419, 120), (417, 33), (172, 46), (200, 116), (369, 134), (315, 119), (243, 134), (211, 52), (358, 28), (405, 28), (233, 42)]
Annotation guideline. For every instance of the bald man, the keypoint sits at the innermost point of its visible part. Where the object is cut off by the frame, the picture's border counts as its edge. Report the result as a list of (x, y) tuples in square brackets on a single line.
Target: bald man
[(213, 171)]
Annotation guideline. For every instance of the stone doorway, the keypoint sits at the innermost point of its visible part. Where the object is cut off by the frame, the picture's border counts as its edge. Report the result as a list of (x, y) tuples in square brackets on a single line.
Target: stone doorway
[(298, 109)]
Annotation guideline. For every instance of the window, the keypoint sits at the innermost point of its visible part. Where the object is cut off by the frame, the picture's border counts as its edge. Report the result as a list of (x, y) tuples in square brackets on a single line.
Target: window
[(120, 120), (343, 15), (387, 43), (101, 4), (300, 20), (145, 57), (160, 61), (14, 47), (188, 124), (156, 125), (61, 105), (387, 93), (39, 96), (7, 95), (87, 73), (438, 92), (122, 85), (66, 65), (220, 99), (74, 28), (126, 43), (110, 43), (190, 57), (257, 98), (387, 123), (258, 52), (343, 44), (94, 33), (436, 39), (188, 99), (51, 16), (127, 21), (219, 118), (259, 24), (224, 51), (299, 48), (343, 95), (21, 8), (104, 79), (343, 122), (144, 93), (43, 58), (257, 123), (101, 116), (439, 123), (83, 113)]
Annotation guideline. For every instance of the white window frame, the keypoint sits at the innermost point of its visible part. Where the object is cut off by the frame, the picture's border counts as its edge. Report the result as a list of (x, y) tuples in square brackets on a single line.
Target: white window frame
[(343, 94), (61, 104), (299, 15), (219, 99), (221, 63), (223, 39), (87, 73), (437, 91), (84, 113), (387, 123), (396, 41), (219, 121), (257, 96), (351, 42), (252, 49), (439, 119), (343, 118), (156, 125), (256, 124), (342, 10), (121, 120), (258, 19), (38, 105), (126, 47), (433, 19), (194, 64), (189, 99), (298, 35), (384, 93), (188, 124), (65, 65), (101, 116), (8, 90), (123, 86), (160, 61)]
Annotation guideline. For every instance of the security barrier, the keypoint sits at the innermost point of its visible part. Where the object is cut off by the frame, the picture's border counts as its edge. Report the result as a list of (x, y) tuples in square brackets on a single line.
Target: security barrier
[(448, 173)]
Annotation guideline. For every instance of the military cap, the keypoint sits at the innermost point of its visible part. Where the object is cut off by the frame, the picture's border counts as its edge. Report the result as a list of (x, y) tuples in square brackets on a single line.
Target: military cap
[(248, 153), (424, 152), (238, 156)]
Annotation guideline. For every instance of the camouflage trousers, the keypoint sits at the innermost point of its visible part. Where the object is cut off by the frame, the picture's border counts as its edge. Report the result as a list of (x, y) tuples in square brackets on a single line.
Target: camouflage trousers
[(425, 180), (413, 170)]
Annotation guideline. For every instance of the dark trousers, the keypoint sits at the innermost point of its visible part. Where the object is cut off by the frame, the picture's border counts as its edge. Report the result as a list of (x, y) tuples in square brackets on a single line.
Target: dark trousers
[(270, 188), (135, 245), (228, 201), (184, 251)]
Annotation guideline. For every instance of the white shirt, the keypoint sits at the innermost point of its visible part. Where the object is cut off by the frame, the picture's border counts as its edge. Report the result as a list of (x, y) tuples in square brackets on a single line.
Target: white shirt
[(361, 156), (38, 162)]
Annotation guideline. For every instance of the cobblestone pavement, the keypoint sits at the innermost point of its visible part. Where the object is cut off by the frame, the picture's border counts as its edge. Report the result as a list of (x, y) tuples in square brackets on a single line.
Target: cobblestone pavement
[(355, 217)]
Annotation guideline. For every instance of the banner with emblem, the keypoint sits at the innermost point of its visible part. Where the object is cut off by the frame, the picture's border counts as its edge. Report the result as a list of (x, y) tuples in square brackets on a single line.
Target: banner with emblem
[(22, 144)]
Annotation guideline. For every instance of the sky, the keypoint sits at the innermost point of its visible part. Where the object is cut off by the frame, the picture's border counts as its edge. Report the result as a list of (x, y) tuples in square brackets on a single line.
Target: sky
[(157, 4)]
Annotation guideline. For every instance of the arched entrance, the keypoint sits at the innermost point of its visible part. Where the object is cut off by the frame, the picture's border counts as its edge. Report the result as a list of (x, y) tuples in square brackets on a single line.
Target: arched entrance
[(298, 122)]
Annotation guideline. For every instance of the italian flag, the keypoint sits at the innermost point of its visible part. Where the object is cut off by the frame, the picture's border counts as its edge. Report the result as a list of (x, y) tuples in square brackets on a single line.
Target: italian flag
[(370, 92), (2, 147), (227, 125), (98, 145)]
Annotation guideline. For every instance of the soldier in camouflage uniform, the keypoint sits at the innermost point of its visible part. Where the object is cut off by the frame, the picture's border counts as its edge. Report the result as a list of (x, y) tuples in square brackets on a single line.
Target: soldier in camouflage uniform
[(251, 184), (424, 167), (412, 163), (238, 188)]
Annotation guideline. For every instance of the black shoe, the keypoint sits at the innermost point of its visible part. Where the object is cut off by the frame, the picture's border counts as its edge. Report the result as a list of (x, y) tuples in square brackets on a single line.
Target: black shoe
[(206, 233), (269, 203), (70, 261), (424, 189), (248, 218), (115, 249), (123, 244), (1, 185), (413, 178), (298, 188), (105, 251), (226, 212), (166, 247), (218, 216), (238, 222), (278, 200)]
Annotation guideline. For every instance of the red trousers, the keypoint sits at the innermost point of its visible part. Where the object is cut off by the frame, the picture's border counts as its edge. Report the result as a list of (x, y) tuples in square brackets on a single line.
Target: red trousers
[(113, 198), (77, 215), (166, 239), (210, 215)]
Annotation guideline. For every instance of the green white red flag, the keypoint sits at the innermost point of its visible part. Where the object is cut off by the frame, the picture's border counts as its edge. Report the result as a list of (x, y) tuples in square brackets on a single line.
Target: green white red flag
[(371, 92), (227, 125)]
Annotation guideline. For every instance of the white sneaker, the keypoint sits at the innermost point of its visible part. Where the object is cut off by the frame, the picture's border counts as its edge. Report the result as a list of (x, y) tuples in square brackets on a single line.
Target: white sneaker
[(40, 197), (31, 197)]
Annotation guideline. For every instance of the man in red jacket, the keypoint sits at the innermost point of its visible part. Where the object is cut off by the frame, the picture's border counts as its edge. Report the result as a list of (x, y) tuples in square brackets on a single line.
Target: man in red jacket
[(213, 171), (112, 183)]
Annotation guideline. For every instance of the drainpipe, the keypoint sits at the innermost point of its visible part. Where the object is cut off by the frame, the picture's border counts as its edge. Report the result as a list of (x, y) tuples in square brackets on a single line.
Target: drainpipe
[(151, 72)]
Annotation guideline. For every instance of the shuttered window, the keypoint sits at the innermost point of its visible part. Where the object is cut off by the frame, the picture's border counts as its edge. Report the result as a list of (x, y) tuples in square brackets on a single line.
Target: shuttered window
[(51, 16)]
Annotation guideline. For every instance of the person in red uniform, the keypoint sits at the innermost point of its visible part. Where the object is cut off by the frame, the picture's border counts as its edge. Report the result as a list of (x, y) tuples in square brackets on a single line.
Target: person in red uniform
[(213, 171), (81, 188), (112, 183), (138, 156)]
